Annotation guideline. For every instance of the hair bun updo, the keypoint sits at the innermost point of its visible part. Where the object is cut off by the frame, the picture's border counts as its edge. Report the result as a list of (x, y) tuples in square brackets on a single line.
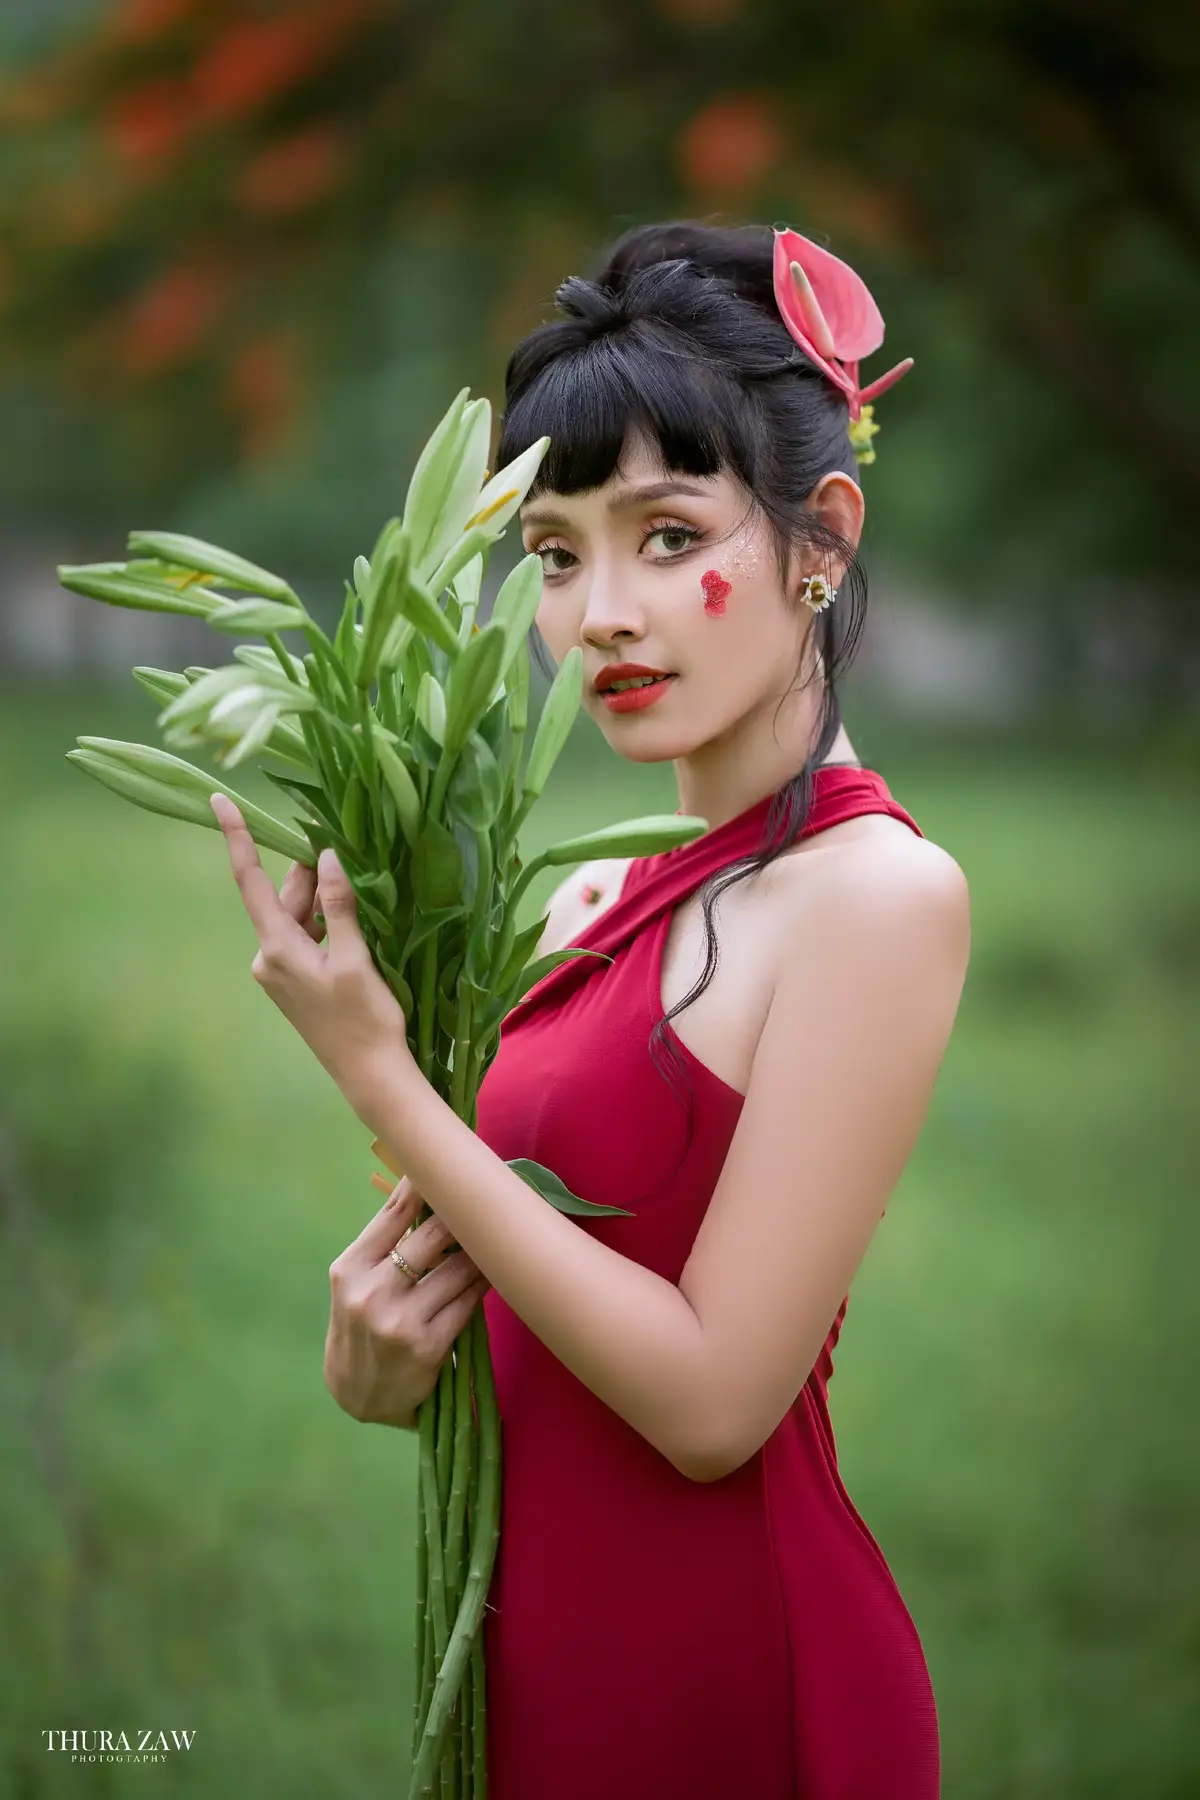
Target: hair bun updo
[(595, 302)]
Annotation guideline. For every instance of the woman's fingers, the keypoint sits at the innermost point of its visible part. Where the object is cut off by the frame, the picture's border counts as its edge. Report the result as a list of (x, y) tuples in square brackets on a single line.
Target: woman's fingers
[(299, 894), (423, 1244)]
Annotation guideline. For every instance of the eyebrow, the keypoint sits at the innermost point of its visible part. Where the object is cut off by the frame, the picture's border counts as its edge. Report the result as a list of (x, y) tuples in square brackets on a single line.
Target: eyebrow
[(655, 490)]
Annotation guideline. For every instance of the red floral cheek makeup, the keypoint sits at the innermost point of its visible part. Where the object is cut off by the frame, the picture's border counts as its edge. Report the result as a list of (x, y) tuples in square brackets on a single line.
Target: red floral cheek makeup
[(716, 584), (716, 588)]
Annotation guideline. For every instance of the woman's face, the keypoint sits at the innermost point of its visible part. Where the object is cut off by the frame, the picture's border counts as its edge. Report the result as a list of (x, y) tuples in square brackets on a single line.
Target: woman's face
[(684, 581)]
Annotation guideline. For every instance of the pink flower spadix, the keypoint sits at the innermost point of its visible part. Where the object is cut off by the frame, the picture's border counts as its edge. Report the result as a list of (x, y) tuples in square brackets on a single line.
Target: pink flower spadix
[(829, 311)]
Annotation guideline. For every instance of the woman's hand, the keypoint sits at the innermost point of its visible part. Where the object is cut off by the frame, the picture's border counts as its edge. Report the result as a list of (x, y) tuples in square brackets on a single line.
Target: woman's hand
[(334, 996), (388, 1334)]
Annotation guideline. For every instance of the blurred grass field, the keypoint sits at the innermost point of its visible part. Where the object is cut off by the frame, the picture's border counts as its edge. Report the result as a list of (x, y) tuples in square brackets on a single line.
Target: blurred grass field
[(194, 1535)]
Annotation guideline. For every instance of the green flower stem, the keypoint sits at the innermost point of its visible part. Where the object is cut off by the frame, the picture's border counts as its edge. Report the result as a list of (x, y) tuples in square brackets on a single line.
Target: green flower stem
[(460, 1477), (509, 930), (445, 1449), (284, 658), (325, 654), (484, 1539), (441, 780), (463, 1020), (479, 1785), (466, 1710), (456, 1522), (321, 752), (427, 1005), (420, 1700), (433, 1515)]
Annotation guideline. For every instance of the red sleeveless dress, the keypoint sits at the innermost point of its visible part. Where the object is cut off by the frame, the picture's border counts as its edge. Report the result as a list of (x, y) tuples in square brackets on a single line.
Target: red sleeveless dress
[(649, 1637)]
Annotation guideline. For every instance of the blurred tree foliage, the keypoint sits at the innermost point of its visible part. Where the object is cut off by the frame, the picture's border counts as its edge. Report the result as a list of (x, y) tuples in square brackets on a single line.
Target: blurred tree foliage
[(252, 250)]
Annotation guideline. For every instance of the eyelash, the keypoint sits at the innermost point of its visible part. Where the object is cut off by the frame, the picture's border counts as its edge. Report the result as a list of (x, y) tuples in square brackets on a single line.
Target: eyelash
[(691, 532)]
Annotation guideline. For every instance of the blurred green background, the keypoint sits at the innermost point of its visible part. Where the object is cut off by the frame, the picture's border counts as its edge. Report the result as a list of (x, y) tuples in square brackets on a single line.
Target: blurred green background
[(250, 252)]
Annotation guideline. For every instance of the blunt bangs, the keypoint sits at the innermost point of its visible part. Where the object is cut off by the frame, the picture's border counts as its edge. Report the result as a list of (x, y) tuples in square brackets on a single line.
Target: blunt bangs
[(588, 400)]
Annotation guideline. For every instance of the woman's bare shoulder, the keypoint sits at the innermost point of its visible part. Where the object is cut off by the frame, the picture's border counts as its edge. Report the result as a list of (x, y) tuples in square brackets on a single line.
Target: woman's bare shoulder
[(582, 897)]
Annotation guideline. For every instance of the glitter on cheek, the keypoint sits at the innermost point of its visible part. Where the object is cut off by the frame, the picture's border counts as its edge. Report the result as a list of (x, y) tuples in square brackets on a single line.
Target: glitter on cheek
[(716, 588), (744, 562)]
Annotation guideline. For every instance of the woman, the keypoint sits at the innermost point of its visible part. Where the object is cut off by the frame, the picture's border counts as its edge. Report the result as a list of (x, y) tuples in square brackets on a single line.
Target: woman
[(686, 1601)]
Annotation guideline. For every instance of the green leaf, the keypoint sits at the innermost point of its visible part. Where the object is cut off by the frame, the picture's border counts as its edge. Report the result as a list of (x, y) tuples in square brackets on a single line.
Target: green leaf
[(437, 868), (429, 921), (525, 942), (546, 1183), (534, 973), (476, 791), (310, 795)]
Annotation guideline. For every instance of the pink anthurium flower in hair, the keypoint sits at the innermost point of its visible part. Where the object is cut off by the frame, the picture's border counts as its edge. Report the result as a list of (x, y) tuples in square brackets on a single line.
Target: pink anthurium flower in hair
[(829, 311)]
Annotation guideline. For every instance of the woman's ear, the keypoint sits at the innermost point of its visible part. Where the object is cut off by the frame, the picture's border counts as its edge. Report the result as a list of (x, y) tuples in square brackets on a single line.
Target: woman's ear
[(838, 502)]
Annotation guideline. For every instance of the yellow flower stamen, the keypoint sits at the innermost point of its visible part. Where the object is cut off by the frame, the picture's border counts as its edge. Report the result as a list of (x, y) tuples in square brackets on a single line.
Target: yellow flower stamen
[(481, 518)]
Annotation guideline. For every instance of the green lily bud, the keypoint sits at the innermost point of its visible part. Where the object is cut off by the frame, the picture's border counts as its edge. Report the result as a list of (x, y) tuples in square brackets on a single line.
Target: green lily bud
[(396, 643), (214, 685), (516, 681), (478, 538), (256, 736), (558, 715), (431, 706), (467, 585), (112, 583), (381, 605), (163, 685), (460, 496), (401, 785), (517, 602), (415, 602), (649, 836), (354, 811), (472, 683), (258, 656), (154, 779), (237, 616), (505, 491), (430, 479), (194, 553)]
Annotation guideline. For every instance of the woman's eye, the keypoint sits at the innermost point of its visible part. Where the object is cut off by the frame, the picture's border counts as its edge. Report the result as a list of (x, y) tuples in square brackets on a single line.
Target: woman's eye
[(545, 550), (687, 532), (684, 536)]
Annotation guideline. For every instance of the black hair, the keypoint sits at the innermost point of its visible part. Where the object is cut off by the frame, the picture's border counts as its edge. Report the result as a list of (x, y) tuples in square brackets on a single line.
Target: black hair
[(679, 336)]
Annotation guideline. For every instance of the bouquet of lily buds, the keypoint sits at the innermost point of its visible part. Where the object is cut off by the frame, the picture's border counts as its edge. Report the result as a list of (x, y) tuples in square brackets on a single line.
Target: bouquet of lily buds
[(400, 743)]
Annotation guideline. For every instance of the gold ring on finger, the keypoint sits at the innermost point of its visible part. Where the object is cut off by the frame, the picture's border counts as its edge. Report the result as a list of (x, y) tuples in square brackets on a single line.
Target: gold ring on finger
[(401, 1264)]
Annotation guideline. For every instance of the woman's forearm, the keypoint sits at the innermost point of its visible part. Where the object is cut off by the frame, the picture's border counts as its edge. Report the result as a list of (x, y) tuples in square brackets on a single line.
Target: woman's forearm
[(627, 1334)]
